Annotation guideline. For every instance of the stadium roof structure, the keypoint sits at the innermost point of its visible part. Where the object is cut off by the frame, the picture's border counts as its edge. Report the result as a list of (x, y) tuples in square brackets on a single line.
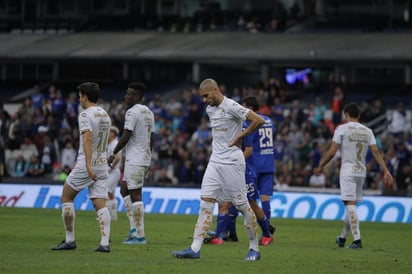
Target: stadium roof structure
[(210, 47)]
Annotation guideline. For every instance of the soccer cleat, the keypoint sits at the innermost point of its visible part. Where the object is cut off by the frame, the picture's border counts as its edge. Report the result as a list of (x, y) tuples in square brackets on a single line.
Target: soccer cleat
[(340, 241), (132, 235), (272, 229), (216, 241), (102, 248), (252, 255), (187, 253), (211, 233), (355, 245), (65, 246), (266, 240), (136, 241), (232, 238)]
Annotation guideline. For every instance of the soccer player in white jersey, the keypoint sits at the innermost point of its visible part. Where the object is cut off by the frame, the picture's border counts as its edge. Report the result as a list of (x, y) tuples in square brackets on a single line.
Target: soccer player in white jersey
[(138, 137), (90, 169), (353, 140), (114, 173), (224, 178)]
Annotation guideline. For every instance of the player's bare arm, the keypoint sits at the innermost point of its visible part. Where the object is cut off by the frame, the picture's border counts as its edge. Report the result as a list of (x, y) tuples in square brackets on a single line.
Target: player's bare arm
[(326, 159), (255, 122)]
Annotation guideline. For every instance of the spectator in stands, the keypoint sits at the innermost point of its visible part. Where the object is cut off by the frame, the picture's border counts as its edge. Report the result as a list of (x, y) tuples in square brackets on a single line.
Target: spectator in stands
[(36, 168), (163, 177), (21, 167), (404, 165), (277, 109), (68, 154), (59, 105), (15, 135), (283, 177), (202, 137), (337, 105), (279, 147), (37, 97), (296, 113), (319, 110), (398, 122), (72, 109), (4, 120), (317, 180), (28, 149), (299, 175), (48, 154)]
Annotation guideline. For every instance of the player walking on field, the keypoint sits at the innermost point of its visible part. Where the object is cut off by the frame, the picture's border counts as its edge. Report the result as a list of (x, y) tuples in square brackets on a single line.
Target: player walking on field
[(353, 140), (138, 137), (224, 178), (90, 169)]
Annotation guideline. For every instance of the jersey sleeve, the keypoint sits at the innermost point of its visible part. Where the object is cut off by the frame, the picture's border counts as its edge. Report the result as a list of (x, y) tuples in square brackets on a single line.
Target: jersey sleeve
[(337, 136), (84, 122), (237, 110), (129, 120), (372, 140)]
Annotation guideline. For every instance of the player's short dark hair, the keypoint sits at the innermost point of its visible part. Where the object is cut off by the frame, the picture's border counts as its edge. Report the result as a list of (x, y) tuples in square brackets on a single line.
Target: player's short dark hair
[(352, 109), (251, 101), (91, 90), (139, 88)]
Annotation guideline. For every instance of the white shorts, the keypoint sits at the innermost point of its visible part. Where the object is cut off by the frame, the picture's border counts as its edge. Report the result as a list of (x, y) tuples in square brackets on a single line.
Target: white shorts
[(225, 183), (134, 176), (351, 188), (79, 179), (113, 180)]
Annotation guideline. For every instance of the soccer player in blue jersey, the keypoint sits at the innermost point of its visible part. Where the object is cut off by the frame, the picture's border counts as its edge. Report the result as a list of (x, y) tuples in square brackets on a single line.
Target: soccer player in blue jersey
[(264, 158)]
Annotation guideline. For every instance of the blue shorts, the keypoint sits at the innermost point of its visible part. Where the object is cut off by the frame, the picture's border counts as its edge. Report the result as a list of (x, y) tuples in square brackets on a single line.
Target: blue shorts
[(252, 192), (264, 182)]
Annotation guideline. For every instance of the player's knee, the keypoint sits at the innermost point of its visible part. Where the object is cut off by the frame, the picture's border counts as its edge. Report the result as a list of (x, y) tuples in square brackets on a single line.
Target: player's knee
[(206, 205)]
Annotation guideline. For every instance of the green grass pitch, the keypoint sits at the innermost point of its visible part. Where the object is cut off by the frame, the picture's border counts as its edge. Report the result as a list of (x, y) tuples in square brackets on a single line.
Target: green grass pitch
[(300, 246)]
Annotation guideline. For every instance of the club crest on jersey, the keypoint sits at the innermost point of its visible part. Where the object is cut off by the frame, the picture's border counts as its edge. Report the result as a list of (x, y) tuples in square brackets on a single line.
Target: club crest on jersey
[(222, 113)]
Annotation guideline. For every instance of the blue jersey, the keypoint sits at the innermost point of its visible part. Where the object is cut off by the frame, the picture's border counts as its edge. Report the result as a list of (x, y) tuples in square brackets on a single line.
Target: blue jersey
[(263, 147), (250, 173)]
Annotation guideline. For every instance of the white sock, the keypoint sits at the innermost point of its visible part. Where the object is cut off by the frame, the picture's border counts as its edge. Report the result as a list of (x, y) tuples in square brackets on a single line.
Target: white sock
[(112, 206), (128, 205), (346, 227), (104, 223), (138, 217), (203, 223), (68, 216), (353, 221), (250, 223)]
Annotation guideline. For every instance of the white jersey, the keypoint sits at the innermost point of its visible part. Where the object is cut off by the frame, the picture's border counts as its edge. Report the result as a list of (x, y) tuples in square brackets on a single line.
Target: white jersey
[(96, 120), (139, 119), (226, 122), (355, 140), (110, 148)]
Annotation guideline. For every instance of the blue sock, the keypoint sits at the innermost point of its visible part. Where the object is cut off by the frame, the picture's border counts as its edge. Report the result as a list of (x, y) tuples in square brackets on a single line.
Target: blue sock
[(264, 225), (266, 209), (233, 212), (222, 224)]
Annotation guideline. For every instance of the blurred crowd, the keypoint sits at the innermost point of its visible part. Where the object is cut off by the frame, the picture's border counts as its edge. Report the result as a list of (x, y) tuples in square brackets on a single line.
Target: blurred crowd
[(41, 138)]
